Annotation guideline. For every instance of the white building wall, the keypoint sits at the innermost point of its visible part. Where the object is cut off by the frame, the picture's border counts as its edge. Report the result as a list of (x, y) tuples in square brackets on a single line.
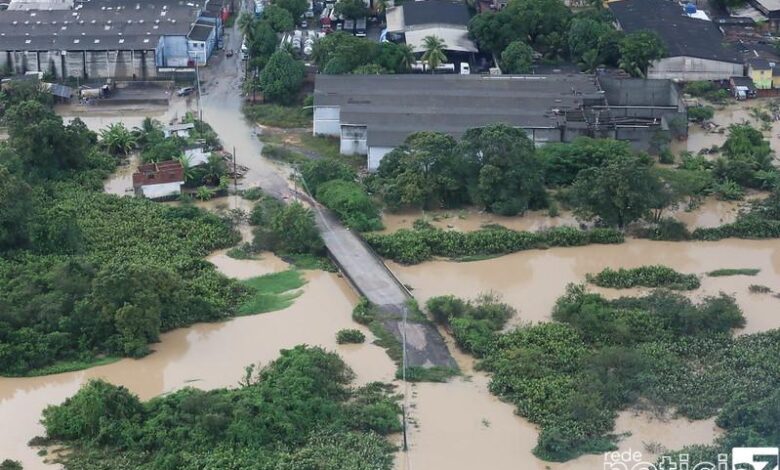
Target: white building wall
[(156, 191), (354, 140), (375, 155), (693, 68), (327, 120)]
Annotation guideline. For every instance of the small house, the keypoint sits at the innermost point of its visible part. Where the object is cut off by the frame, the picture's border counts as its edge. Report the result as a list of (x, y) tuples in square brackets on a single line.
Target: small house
[(742, 88), (760, 71), (179, 130), (161, 180)]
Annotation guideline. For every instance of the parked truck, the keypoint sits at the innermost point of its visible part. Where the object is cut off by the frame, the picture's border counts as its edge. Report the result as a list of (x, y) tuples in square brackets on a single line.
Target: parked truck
[(360, 27)]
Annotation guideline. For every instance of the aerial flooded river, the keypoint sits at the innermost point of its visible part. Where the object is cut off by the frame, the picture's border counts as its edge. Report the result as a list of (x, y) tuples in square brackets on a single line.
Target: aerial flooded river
[(458, 425)]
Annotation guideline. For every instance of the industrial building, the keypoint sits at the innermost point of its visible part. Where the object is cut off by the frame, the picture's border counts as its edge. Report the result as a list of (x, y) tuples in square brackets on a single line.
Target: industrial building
[(97, 39), (695, 47), (372, 114), (445, 19)]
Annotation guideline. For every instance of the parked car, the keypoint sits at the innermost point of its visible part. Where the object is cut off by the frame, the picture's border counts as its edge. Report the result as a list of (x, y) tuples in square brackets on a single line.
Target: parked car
[(229, 53), (304, 24), (185, 91)]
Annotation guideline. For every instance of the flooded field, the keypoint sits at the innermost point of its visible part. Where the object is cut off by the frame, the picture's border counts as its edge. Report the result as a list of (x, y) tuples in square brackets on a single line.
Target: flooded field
[(532, 280), (710, 213), (734, 113), (461, 426)]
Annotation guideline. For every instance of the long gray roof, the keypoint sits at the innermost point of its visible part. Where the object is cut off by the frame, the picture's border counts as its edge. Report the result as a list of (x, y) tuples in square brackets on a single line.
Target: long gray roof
[(96, 25), (395, 106)]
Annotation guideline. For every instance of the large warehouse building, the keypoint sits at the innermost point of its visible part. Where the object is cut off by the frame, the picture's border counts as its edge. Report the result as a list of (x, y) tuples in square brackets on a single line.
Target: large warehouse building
[(695, 47), (372, 114), (93, 39)]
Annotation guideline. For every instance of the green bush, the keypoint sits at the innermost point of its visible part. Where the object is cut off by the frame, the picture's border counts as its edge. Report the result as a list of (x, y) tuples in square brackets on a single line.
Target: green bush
[(298, 412), (363, 312), (350, 336), (473, 323), (644, 276), (669, 229), (571, 377), (416, 246), (733, 272), (745, 227), (759, 289), (349, 200)]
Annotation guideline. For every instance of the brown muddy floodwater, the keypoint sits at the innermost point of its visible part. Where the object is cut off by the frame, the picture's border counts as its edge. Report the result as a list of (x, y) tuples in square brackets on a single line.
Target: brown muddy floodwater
[(734, 113), (206, 355), (710, 213), (532, 280)]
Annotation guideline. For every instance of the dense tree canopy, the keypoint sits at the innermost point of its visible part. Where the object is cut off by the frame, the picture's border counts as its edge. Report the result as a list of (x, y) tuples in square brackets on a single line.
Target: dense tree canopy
[(619, 192), (495, 167), (507, 176), (84, 274), (282, 77), (638, 50), (298, 412), (340, 53), (517, 58), (279, 19), (424, 172)]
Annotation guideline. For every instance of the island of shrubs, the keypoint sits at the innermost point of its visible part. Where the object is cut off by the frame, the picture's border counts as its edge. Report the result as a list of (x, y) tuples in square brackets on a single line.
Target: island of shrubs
[(421, 244), (301, 411), (644, 276), (599, 356)]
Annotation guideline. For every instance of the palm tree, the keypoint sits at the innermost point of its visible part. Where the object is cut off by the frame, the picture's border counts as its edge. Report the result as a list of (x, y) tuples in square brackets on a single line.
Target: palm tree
[(434, 51), (186, 163), (117, 139), (407, 56), (245, 23)]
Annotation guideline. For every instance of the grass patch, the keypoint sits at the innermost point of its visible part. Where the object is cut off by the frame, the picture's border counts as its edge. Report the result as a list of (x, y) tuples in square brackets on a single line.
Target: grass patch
[(272, 292), (278, 116), (241, 252), (67, 366), (734, 272), (427, 374), (759, 289), (310, 262), (280, 153), (326, 146)]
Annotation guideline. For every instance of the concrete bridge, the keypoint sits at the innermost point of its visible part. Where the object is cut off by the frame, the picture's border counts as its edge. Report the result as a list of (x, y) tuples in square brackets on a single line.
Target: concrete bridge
[(366, 271), (368, 274)]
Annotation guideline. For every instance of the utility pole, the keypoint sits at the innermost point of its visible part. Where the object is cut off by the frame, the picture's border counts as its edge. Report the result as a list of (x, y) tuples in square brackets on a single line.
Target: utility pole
[(197, 78), (235, 174), (403, 374)]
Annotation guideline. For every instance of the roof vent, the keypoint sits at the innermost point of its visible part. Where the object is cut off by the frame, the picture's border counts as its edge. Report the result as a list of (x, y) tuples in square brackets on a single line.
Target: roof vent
[(27, 41), (146, 41), (76, 41), (121, 41), (97, 41), (141, 21)]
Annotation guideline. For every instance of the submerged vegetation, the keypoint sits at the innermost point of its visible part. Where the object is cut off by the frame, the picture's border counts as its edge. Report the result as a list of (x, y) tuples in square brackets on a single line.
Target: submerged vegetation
[(85, 275), (298, 412), (422, 244), (733, 272), (598, 357), (644, 276), (271, 292)]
